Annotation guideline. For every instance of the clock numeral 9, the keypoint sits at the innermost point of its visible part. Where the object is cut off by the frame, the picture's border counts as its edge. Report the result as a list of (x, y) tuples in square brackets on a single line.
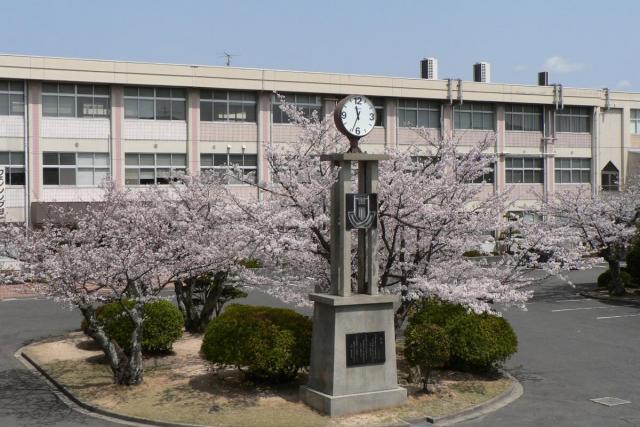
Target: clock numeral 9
[(371, 116), (357, 131), (343, 115)]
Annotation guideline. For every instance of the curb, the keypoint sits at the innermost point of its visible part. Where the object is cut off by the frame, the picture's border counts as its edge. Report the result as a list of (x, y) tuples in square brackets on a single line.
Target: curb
[(505, 398), (587, 294), (92, 410)]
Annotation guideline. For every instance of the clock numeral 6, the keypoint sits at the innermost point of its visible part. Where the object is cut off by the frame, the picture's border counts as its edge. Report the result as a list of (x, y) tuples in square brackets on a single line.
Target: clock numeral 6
[(357, 131), (343, 115)]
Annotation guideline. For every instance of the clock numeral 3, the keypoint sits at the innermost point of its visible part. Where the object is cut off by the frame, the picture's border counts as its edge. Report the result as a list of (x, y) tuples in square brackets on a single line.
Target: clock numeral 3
[(371, 116)]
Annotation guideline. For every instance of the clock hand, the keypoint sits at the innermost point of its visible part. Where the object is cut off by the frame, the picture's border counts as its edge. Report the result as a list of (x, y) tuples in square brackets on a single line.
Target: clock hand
[(357, 118)]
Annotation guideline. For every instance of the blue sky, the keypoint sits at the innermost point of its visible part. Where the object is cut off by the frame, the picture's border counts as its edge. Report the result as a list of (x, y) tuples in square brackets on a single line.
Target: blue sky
[(581, 43)]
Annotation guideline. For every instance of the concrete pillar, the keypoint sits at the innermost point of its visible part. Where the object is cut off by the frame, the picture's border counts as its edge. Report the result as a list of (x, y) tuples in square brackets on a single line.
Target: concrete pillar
[(117, 139), (625, 144), (447, 130), (263, 118), (501, 137), (35, 152), (595, 151), (368, 239), (193, 131), (391, 122), (340, 237)]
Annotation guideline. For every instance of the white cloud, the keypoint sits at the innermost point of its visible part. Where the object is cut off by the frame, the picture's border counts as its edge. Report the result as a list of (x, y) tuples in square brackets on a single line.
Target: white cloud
[(623, 84), (558, 64)]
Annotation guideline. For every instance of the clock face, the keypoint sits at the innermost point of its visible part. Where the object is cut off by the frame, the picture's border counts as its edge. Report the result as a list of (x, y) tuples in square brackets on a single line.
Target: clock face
[(357, 116)]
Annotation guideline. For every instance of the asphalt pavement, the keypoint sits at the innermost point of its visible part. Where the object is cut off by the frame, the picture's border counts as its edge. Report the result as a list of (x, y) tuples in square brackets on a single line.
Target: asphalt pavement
[(571, 349)]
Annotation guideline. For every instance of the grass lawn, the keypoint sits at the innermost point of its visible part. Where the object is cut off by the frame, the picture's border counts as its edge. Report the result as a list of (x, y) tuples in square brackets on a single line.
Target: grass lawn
[(181, 387)]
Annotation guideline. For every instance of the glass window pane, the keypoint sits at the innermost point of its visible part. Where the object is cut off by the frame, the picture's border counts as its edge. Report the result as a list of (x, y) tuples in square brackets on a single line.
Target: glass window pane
[(163, 92), (585, 176), (85, 159), (131, 177), (131, 159), (67, 176), (206, 94), (528, 176), (147, 177), (179, 160), (206, 160), (219, 159), (100, 175), (16, 176), (4, 104), (219, 111), (66, 106), (50, 176), (16, 104), (67, 159), (250, 112), (163, 159), (50, 88), (101, 159), (163, 109), (100, 107), (517, 176), (221, 95), (130, 91), (4, 85), (235, 159), (101, 90), (131, 108), (85, 106), (50, 158), (177, 110), (235, 112), (178, 93), (49, 105), (517, 162), (17, 158), (147, 160), (250, 159), (85, 89), (85, 176), (163, 175), (465, 120), (66, 88), (146, 92), (145, 109), (5, 158), (206, 111), (410, 118)]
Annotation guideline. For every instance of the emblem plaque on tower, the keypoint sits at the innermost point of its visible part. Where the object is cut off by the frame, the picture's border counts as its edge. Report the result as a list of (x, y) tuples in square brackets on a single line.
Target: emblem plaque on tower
[(362, 211)]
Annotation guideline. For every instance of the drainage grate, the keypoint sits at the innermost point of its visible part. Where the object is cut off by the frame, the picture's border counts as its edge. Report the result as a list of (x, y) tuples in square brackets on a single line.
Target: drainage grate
[(610, 401)]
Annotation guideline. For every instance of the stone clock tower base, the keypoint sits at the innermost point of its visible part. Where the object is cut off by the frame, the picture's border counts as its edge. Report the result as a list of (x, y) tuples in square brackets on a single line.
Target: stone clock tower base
[(353, 355)]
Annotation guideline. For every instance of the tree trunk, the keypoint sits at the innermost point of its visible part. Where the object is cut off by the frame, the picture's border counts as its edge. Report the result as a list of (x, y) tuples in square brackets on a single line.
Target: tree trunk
[(616, 286), (133, 372), (426, 372), (206, 288), (126, 370)]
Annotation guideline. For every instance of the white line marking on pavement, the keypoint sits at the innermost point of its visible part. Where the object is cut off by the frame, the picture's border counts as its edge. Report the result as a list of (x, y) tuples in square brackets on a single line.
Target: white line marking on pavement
[(614, 317), (589, 308), (573, 300)]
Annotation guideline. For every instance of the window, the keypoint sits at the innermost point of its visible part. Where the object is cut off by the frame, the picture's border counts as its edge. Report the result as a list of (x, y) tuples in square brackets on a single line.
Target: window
[(150, 168), (474, 116), (307, 103), (227, 106), (573, 119), (154, 103), (379, 103), (523, 117), (524, 170), (610, 178), (13, 163), (573, 170), (418, 113), (487, 176), (635, 121), (75, 168), (11, 98), (75, 100), (246, 164)]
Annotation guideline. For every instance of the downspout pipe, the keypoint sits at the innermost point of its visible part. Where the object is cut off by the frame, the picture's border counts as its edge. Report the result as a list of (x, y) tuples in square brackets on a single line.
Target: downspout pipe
[(27, 169)]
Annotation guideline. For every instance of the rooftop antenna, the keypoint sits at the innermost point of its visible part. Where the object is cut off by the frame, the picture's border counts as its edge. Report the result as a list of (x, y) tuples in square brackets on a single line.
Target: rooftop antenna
[(228, 57)]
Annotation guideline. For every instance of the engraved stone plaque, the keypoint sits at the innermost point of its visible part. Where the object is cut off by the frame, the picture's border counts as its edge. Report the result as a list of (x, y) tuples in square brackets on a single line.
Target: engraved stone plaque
[(365, 348)]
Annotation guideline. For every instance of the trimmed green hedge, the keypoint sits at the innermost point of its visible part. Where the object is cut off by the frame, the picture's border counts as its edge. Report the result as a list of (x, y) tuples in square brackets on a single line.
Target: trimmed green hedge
[(605, 278), (476, 341), (426, 346), (162, 326), (266, 343)]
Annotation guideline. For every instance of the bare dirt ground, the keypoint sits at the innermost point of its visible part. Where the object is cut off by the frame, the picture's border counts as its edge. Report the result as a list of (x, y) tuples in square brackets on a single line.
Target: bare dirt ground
[(182, 387)]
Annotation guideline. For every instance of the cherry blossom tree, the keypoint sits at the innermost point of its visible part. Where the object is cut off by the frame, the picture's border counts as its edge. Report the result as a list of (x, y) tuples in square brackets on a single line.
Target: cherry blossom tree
[(606, 222), (431, 212)]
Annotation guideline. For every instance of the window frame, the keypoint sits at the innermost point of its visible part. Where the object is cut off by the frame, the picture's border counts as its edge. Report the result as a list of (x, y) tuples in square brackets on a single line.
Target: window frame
[(215, 164), (510, 170), (76, 96), (11, 93), (155, 99), (173, 169), (76, 167), (579, 169), (429, 108), (8, 168), (533, 116), (573, 114), (306, 107), (635, 121), (475, 114), (245, 103)]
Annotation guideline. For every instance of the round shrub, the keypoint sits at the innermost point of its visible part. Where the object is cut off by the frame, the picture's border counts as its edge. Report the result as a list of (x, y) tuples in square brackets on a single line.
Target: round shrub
[(436, 312), (269, 344), (162, 325), (605, 278), (479, 342), (427, 347)]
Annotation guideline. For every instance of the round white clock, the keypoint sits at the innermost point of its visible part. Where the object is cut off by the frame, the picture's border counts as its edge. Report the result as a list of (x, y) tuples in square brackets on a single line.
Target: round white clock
[(355, 116)]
